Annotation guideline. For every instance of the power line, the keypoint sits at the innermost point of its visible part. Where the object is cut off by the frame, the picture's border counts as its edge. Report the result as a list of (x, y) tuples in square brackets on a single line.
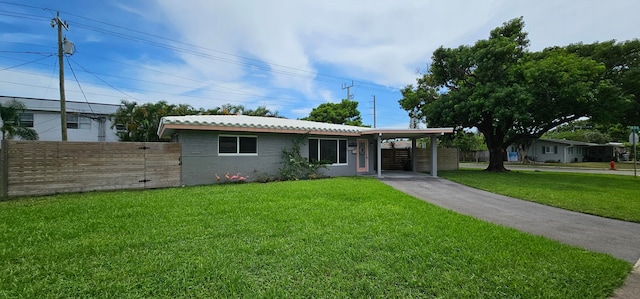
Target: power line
[(285, 70), (80, 86), (296, 72), (19, 65), (105, 82)]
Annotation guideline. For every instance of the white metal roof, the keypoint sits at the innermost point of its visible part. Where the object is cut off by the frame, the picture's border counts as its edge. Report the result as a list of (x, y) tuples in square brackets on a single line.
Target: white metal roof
[(33, 104), (169, 124)]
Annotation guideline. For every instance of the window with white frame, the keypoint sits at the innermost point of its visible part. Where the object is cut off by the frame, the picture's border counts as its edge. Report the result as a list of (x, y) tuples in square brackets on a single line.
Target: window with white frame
[(550, 149), (237, 145), (570, 150), (76, 121), (329, 151)]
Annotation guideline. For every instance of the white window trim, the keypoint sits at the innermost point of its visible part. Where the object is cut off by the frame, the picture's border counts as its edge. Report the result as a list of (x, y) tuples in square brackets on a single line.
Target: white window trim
[(550, 150), (82, 122), (337, 149), (237, 153)]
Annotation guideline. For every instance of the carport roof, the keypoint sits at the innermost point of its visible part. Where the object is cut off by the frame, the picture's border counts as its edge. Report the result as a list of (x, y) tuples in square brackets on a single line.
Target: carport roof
[(244, 123)]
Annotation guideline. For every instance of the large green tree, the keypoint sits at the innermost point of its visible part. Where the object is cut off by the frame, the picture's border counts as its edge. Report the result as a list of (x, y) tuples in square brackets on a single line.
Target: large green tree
[(509, 94), (622, 63), (345, 113), (589, 131), (11, 127)]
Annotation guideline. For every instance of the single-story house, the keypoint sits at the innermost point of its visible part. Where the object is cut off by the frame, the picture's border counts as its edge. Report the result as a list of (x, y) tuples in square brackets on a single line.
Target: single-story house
[(253, 145), (567, 151)]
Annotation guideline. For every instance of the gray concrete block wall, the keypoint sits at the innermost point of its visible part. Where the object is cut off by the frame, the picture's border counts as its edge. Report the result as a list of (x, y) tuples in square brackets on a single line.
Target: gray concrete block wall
[(201, 162)]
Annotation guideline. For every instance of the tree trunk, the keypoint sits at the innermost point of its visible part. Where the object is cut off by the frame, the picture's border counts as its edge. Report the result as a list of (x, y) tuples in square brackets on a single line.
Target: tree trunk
[(496, 159)]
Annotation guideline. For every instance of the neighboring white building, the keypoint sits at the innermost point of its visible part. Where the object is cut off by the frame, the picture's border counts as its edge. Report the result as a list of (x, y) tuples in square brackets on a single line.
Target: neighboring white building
[(568, 151), (85, 121)]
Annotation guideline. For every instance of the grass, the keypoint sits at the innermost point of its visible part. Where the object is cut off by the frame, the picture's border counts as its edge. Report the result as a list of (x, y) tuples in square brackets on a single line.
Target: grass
[(331, 238), (612, 196)]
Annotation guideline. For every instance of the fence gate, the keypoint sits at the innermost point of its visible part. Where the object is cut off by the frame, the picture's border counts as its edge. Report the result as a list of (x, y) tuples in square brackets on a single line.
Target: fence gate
[(49, 167)]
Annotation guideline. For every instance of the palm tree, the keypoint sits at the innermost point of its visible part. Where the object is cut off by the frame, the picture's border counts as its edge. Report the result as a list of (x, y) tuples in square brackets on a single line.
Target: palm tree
[(11, 127)]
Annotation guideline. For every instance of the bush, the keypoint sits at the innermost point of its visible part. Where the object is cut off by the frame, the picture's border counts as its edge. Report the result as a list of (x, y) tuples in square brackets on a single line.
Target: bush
[(295, 166)]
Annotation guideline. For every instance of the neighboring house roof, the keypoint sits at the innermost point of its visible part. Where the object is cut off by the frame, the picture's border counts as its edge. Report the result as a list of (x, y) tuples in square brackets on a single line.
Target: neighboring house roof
[(33, 104), (569, 142), (244, 123)]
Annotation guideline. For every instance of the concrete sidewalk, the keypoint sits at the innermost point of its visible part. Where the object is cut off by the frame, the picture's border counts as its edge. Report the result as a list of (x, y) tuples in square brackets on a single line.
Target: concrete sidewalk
[(618, 238)]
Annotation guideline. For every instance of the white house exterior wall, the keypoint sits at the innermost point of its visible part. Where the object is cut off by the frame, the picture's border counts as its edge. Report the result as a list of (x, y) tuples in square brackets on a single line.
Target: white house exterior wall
[(47, 124), (46, 119), (565, 153)]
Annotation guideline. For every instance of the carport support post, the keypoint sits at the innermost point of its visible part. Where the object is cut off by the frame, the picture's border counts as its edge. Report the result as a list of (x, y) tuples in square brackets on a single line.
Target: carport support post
[(414, 155), (434, 156), (379, 155)]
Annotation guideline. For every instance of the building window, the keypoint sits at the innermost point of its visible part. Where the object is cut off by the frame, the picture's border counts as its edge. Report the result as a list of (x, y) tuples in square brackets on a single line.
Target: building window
[(570, 150), (550, 149), (329, 151), (75, 121), (238, 145), (26, 120)]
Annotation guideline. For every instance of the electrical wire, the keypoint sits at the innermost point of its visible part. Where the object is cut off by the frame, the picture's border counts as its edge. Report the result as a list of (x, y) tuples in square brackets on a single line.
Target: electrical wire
[(105, 82), (53, 71), (290, 71), (295, 72), (80, 86), (29, 62)]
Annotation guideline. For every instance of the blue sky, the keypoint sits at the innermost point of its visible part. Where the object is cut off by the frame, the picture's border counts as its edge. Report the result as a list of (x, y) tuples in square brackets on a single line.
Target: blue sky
[(289, 56)]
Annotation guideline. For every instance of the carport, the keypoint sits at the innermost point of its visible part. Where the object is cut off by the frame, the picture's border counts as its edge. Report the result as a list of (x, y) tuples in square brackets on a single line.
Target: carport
[(413, 135)]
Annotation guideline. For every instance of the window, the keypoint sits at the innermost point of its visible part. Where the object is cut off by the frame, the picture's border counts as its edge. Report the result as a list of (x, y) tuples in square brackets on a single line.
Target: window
[(238, 145), (26, 120), (550, 149), (75, 121), (570, 150), (330, 151)]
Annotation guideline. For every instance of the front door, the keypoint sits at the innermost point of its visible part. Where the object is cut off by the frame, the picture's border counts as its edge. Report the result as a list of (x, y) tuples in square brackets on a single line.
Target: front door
[(363, 155)]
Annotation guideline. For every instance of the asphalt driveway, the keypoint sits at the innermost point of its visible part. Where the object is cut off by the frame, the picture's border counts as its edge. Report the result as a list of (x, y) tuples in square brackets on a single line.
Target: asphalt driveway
[(618, 238)]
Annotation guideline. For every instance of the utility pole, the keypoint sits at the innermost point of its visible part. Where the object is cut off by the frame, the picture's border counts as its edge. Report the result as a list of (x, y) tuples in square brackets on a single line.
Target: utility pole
[(63, 105), (374, 111), (347, 87)]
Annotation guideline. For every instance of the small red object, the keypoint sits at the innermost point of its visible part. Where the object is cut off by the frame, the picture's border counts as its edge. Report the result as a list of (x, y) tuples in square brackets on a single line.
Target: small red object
[(612, 165)]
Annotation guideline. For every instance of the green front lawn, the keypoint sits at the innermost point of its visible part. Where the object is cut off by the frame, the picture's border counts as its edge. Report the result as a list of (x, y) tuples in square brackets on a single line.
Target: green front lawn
[(612, 196), (335, 238)]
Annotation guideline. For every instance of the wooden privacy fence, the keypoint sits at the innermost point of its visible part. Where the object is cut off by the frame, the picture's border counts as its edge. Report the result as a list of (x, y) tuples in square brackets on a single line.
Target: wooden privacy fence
[(400, 159), (49, 167), (447, 159)]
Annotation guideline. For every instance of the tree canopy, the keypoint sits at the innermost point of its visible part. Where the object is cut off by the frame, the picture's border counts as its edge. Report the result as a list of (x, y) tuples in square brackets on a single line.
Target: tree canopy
[(509, 94), (11, 127), (345, 113), (140, 122), (589, 131)]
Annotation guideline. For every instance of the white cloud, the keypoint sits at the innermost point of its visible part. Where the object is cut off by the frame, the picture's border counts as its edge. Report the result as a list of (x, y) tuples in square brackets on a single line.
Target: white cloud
[(254, 52), (383, 41)]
